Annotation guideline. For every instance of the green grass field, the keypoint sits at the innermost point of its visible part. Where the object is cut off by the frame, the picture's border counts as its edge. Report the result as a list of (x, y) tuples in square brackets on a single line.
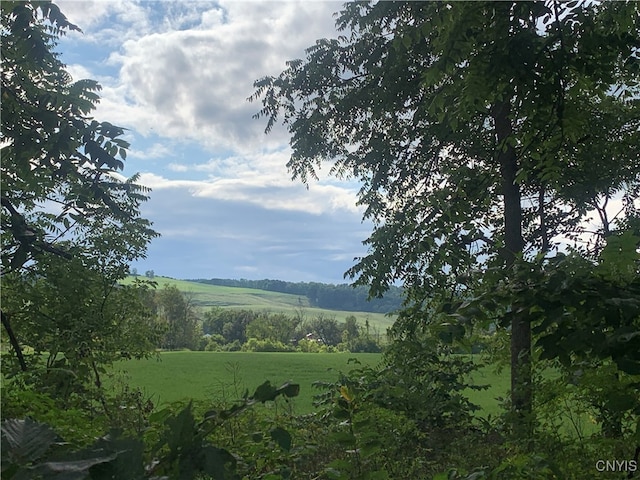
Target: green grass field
[(205, 296), (225, 375)]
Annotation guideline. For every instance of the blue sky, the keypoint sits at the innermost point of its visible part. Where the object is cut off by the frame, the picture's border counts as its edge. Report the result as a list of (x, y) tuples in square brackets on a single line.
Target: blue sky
[(177, 76)]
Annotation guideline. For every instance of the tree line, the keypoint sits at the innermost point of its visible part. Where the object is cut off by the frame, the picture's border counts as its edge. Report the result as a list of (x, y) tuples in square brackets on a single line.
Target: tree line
[(182, 326), (230, 329), (322, 295)]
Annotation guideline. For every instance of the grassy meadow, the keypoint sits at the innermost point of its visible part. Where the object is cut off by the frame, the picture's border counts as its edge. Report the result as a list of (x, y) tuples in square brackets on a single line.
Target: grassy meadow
[(205, 296), (184, 375)]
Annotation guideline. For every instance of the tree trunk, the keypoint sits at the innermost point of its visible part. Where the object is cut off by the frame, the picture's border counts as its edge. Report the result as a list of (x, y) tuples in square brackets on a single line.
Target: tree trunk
[(521, 388), (14, 341)]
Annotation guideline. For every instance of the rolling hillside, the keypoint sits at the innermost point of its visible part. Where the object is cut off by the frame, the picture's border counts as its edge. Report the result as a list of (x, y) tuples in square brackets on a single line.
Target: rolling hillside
[(205, 296)]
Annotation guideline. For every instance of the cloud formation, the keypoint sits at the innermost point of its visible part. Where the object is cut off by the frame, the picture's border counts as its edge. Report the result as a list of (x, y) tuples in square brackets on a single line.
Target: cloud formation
[(235, 239), (178, 75), (193, 83)]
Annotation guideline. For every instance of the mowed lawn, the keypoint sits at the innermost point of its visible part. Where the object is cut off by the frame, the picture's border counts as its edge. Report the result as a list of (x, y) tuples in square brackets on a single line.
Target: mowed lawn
[(225, 375)]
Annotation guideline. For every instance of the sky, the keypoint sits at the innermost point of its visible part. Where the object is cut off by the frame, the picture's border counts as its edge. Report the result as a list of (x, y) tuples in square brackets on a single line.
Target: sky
[(177, 75)]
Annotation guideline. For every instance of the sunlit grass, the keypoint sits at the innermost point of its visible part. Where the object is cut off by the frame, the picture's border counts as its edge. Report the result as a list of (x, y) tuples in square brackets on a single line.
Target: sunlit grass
[(216, 376), (226, 375)]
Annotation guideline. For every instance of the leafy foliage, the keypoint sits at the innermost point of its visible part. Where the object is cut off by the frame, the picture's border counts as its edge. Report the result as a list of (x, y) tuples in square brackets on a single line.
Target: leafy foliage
[(59, 169), (75, 322), (584, 315), (482, 134), (405, 102), (70, 227), (177, 314), (182, 451), (470, 127), (62, 195), (262, 331), (579, 310)]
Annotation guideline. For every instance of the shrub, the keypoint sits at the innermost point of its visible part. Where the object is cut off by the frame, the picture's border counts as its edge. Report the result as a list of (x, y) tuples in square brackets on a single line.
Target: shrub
[(214, 343), (267, 345), (308, 346)]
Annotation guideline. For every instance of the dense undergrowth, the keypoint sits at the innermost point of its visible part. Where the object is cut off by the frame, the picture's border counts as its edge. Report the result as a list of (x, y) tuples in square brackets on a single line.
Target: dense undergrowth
[(408, 417)]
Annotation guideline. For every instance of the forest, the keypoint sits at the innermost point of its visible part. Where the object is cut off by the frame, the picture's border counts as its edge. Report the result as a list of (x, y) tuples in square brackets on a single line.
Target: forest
[(489, 140)]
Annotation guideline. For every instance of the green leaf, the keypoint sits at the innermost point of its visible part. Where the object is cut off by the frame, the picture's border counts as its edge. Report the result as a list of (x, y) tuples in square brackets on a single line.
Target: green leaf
[(282, 438), (160, 415), (341, 413), (344, 439), (265, 392), (182, 429), (19, 258), (621, 401), (27, 439), (370, 447), (632, 367), (289, 389), (215, 462), (70, 470), (618, 260), (636, 433), (129, 461)]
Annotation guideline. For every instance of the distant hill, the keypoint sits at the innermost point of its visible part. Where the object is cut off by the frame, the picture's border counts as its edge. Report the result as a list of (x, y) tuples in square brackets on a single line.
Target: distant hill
[(207, 295), (321, 295)]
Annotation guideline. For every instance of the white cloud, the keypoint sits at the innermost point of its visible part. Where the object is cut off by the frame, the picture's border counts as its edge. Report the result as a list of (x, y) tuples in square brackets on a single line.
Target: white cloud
[(187, 78), (79, 72), (193, 83), (155, 150), (110, 22), (87, 14), (176, 167), (318, 199), (178, 74), (209, 237)]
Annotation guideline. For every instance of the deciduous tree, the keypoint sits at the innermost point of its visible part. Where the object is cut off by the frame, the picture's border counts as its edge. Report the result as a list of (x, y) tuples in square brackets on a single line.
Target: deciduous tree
[(481, 133), (62, 192), (76, 322), (176, 310)]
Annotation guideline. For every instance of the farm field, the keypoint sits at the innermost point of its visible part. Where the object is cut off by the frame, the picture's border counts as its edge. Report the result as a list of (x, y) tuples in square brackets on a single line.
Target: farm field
[(205, 296), (225, 375)]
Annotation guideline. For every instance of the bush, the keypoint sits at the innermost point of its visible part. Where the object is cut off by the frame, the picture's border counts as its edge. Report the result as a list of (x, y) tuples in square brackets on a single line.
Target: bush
[(76, 425), (308, 346), (267, 345), (234, 346), (175, 446), (214, 343)]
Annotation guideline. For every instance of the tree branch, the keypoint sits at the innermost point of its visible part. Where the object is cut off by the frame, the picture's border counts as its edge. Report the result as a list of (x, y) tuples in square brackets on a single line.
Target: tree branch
[(13, 340)]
